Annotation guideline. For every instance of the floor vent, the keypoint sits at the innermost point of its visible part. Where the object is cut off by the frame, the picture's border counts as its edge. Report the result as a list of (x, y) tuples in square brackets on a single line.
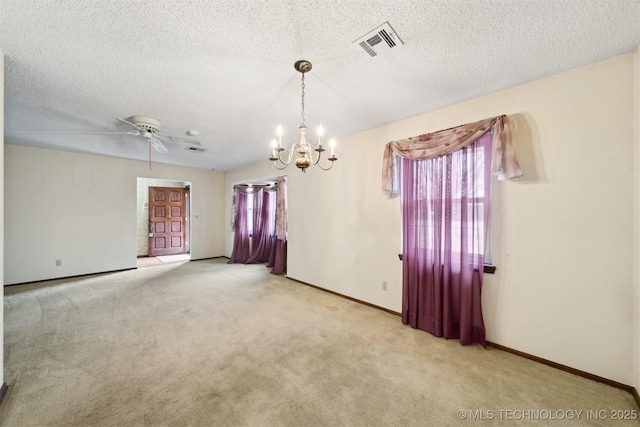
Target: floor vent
[(378, 41)]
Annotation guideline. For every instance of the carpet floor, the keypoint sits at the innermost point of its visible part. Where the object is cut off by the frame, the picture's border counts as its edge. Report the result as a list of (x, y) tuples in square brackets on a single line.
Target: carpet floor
[(210, 344), (143, 262), (174, 258)]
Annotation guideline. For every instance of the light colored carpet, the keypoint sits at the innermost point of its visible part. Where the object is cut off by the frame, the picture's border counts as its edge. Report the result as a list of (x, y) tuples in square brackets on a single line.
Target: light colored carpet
[(174, 258), (143, 262), (210, 344)]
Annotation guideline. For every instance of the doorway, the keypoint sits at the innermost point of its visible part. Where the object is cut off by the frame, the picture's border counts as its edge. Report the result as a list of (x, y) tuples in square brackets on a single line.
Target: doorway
[(167, 221), (163, 221)]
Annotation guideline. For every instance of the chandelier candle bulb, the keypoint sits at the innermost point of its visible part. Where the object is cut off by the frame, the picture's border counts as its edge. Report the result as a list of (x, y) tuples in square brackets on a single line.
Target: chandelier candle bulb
[(279, 133)]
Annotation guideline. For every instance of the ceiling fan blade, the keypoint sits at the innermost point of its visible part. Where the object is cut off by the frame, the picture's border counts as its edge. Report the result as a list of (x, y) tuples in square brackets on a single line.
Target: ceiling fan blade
[(107, 133), (176, 139), (158, 146), (127, 122), (77, 132)]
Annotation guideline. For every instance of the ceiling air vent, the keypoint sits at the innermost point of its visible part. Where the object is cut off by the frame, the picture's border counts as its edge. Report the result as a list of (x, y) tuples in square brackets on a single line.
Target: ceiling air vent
[(378, 41), (197, 149)]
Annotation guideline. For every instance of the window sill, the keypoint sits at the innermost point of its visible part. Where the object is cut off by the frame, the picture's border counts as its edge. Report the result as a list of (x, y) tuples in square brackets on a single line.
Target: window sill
[(489, 269)]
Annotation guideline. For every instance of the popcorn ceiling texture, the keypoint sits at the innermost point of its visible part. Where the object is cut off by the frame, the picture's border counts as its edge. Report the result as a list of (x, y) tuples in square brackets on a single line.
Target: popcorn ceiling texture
[(225, 67)]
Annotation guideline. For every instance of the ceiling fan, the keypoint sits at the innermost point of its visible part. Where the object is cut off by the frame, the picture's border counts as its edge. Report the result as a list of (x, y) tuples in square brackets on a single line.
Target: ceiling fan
[(150, 129)]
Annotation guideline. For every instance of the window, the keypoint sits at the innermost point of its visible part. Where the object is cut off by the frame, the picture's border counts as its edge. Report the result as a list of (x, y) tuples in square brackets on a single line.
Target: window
[(250, 213), (450, 198)]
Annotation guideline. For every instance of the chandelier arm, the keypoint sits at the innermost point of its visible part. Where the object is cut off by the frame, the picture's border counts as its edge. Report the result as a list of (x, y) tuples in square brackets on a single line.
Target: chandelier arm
[(291, 150), (275, 165), (282, 162), (325, 169), (311, 156), (320, 150), (332, 159)]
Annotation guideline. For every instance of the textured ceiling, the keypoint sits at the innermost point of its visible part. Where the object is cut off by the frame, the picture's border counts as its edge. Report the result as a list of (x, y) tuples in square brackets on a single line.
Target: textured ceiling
[(225, 67)]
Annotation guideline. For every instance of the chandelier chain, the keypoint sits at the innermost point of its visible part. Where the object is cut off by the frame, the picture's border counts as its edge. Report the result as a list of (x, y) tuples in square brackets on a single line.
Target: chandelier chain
[(303, 121)]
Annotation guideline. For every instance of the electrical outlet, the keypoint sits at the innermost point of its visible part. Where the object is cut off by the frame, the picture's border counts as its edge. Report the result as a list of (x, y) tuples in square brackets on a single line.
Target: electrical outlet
[(384, 286), (58, 262)]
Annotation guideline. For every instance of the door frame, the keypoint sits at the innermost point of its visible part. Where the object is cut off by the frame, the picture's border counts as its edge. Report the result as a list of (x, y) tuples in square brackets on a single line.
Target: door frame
[(168, 221), (142, 211)]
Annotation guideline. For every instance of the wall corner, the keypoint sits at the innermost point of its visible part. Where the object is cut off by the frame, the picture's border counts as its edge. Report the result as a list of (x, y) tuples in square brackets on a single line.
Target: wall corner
[(636, 254)]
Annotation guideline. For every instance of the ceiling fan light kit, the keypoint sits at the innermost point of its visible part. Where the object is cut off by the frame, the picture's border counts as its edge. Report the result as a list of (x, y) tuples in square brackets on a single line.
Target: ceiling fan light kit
[(302, 151)]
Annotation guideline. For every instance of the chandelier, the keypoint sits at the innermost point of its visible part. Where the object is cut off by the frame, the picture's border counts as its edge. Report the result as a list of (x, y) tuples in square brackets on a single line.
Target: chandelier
[(302, 151)]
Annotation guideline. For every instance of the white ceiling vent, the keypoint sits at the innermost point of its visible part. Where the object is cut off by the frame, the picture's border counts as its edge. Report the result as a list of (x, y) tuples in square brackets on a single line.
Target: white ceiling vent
[(378, 41)]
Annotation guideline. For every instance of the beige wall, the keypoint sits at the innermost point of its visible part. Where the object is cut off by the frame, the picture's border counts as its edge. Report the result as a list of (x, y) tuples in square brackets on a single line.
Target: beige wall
[(563, 289), (81, 209)]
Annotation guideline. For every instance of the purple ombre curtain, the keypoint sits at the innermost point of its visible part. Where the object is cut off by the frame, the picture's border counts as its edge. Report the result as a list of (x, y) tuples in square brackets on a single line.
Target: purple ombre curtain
[(256, 220), (241, 243), (264, 227), (445, 211), (278, 257)]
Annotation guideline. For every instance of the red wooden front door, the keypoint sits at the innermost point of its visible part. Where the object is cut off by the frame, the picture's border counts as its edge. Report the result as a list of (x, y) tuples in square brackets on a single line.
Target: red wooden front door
[(167, 221)]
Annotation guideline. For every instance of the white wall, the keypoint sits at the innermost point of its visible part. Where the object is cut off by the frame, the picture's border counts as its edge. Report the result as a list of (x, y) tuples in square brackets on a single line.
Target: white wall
[(563, 289), (2, 212), (81, 209), (636, 318)]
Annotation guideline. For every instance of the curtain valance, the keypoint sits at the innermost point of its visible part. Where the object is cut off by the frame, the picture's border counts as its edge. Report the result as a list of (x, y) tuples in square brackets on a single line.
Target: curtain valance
[(436, 144), (253, 188)]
